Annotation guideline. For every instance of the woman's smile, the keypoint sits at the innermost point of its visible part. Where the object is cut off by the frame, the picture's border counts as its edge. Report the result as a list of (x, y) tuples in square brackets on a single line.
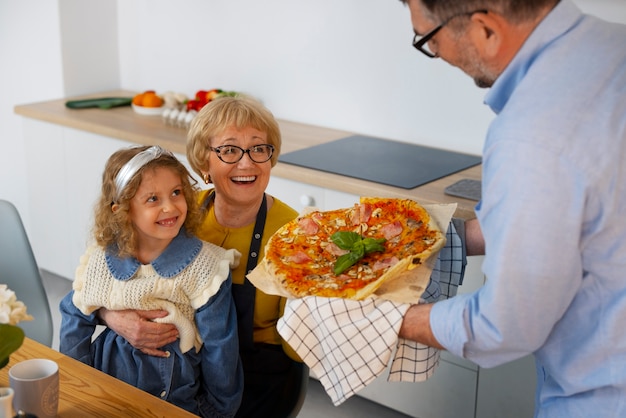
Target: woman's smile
[(243, 179)]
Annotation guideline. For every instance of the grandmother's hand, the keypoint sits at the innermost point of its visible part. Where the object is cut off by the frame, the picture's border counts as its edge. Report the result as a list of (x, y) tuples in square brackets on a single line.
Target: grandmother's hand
[(139, 329)]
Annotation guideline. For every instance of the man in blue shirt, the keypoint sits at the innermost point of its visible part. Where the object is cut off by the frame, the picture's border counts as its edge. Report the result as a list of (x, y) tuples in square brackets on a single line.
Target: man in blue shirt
[(553, 212)]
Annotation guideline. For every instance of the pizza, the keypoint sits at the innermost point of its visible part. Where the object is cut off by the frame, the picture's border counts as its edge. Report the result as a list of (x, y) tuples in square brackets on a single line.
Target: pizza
[(349, 253)]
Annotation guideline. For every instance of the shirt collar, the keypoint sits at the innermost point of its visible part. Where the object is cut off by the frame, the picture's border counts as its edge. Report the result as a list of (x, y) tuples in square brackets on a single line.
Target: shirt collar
[(563, 17), (176, 257)]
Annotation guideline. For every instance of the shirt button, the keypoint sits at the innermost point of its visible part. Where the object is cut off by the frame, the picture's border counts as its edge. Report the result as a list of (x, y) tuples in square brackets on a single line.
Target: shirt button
[(163, 394), (168, 354)]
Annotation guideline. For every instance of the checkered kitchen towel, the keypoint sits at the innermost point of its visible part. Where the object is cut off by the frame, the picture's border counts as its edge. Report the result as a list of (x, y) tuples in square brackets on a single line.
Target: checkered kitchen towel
[(347, 343)]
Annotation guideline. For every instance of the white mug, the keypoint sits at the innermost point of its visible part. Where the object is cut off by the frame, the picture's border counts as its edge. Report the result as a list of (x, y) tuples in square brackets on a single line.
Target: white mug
[(36, 386), (6, 402)]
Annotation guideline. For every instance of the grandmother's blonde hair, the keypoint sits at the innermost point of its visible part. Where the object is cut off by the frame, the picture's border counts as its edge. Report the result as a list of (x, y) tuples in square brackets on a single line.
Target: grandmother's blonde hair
[(225, 112)]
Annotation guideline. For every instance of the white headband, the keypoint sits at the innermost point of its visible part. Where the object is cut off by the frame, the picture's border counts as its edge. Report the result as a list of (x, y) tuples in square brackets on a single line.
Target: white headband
[(134, 164)]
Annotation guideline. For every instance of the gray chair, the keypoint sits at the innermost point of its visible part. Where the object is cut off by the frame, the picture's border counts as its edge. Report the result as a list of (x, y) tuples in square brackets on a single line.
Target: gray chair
[(19, 271)]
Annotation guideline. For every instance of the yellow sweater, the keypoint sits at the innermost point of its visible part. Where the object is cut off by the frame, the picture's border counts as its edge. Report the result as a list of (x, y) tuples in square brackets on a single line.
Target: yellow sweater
[(268, 308)]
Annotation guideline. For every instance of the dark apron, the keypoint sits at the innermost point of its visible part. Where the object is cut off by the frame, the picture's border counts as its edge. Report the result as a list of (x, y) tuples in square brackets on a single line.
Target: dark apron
[(245, 294), (269, 373)]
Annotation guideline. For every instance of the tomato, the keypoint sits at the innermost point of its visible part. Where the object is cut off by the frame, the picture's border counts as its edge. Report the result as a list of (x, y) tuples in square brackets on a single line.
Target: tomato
[(196, 104), (201, 95), (207, 95)]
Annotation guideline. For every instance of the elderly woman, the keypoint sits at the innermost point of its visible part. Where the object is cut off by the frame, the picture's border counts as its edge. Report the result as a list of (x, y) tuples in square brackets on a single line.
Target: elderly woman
[(233, 143)]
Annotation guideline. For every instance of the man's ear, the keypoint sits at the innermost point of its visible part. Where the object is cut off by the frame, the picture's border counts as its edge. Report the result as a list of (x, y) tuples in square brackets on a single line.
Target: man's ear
[(488, 31)]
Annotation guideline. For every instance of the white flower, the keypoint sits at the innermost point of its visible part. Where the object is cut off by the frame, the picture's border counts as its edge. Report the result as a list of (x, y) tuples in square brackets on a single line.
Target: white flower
[(12, 310)]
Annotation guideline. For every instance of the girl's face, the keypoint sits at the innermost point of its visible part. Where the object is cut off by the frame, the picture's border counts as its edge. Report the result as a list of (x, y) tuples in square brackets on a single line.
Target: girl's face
[(244, 182), (158, 209)]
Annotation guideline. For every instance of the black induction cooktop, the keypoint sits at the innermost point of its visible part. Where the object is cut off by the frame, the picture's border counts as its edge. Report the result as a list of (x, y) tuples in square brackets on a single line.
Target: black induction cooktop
[(393, 163)]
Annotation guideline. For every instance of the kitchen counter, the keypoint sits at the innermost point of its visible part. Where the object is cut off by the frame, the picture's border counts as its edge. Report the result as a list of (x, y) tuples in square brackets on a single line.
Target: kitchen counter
[(124, 124)]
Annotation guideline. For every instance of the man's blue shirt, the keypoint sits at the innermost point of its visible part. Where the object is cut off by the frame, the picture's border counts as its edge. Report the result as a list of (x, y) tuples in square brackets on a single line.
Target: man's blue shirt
[(553, 215)]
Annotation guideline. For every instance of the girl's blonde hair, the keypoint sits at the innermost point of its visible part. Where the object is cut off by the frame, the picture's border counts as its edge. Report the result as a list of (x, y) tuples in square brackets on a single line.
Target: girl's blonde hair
[(113, 228), (223, 113)]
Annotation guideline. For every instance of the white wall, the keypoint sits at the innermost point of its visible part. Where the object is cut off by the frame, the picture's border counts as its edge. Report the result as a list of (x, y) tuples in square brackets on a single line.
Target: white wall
[(345, 64), (30, 70), (48, 50), (89, 46)]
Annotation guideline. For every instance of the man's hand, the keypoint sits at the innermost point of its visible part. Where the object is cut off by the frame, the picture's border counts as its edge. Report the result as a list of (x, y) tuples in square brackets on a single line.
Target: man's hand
[(138, 328), (416, 326)]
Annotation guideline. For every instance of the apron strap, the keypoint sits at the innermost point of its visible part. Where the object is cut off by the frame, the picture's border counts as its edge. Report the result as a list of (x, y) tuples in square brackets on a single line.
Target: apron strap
[(244, 294)]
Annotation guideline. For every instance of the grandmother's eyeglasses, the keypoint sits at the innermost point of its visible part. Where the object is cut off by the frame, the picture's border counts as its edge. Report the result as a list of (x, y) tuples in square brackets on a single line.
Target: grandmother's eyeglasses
[(231, 154), (421, 42)]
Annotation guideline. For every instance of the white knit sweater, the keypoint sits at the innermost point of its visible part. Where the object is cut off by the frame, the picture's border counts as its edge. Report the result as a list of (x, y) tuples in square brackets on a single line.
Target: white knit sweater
[(95, 287)]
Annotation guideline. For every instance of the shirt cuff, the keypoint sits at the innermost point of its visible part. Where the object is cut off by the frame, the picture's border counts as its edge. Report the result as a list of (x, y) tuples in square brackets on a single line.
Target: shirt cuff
[(448, 323)]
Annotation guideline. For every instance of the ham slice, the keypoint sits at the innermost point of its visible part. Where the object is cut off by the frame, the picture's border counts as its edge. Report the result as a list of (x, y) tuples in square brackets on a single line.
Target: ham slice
[(308, 226), (392, 230), (362, 213), (300, 258), (335, 250), (385, 263)]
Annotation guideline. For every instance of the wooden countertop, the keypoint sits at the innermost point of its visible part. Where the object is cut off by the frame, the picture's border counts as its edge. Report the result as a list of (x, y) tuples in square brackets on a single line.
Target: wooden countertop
[(87, 392), (124, 124)]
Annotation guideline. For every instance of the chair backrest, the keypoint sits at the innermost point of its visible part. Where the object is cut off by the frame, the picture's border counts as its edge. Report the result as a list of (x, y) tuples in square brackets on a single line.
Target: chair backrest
[(19, 271)]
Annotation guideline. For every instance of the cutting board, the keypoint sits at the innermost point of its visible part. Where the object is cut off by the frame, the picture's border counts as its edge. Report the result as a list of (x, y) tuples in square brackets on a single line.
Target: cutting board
[(393, 163)]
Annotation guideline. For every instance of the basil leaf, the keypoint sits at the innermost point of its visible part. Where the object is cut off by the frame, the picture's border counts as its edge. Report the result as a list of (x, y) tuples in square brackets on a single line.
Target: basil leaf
[(344, 262), (358, 247), (373, 244), (345, 239)]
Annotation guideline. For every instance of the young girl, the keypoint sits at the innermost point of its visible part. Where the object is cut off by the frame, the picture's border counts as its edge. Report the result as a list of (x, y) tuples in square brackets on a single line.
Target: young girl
[(145, 257)]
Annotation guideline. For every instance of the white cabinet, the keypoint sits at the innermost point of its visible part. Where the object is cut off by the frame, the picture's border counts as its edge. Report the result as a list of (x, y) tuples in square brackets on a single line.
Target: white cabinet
[(48, 218), (65, 169), (299, 195)]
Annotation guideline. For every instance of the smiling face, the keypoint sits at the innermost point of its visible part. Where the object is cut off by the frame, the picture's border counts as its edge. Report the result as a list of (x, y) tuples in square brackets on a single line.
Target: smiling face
[(157, 210), (242, 183)]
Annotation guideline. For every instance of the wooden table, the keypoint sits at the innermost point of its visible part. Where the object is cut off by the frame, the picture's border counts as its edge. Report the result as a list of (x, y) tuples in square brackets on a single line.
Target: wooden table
[(124, 124), (87, 392)]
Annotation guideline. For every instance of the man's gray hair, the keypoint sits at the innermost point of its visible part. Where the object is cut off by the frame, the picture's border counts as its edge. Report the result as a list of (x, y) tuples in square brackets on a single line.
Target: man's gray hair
[(514, 10)]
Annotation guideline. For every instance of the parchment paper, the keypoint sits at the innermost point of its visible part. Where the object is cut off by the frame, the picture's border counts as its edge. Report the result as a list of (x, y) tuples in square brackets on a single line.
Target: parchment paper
[(406, 288)]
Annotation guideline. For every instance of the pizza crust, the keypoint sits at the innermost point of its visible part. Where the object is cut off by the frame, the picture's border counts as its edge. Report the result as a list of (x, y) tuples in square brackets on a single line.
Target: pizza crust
[(403, 267)]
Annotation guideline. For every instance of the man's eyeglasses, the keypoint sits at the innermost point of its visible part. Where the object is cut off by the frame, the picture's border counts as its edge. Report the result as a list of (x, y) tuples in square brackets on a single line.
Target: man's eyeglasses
[(230, 154), (421, 42)]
